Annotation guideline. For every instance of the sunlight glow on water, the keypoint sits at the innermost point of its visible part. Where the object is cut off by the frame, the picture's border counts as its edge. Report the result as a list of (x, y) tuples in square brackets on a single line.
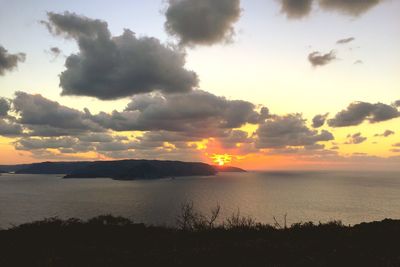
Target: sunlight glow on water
[(352, 197)]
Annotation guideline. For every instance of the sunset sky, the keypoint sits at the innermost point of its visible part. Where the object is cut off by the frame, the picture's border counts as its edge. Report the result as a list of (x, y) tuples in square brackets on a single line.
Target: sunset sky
[(259, 84)]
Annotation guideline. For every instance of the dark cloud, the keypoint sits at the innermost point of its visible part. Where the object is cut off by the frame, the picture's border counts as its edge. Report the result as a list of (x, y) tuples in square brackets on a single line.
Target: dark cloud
[(345, 40), (317, 59), (115, 146), (46, 116), (349, 7), (238, 140), (9, 62), (319, 120), (203, 22), (156, 138), (9, 128), (4, 107), (295, 9), (357, 112), (234, 138), (288, 131), (109, 67), (96, 138), (355, 139), (396, 148), (93, 142), (183, 153), (30, 143), (71, 25), (50, 131), (55, 51), (397, 103), (387, 133), (103, 144), (198, 113), (70, 144)]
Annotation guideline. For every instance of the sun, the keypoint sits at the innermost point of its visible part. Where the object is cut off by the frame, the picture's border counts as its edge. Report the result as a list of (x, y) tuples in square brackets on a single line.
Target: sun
[(221, 159)]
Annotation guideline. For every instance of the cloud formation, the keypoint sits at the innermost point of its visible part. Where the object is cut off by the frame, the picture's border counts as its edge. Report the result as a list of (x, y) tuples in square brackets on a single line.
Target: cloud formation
[(30, 143), (4, 107), (319, 120), (386, 133), (108, 67), (295, 9), (198, 113), (9, 128), (45, 117), (355, 139), (171, 125), (9, 62), (236, 137), (202, 22), (289, 131), (55, 51), (357, 112), (318, 59), (345, 40), (349, 7)]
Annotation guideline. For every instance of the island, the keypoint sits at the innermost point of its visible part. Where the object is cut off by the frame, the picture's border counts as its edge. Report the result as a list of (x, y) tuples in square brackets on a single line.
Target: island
[(52, 167), (228, 169), (122, 169), (142, 169)]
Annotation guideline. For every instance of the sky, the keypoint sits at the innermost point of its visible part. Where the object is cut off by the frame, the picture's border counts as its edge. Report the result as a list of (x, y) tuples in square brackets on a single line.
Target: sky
[(259, 84)]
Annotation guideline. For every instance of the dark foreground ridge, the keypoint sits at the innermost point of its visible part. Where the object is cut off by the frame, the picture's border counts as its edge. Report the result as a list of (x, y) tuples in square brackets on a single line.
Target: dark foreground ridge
[(121, 169), (116, 241)]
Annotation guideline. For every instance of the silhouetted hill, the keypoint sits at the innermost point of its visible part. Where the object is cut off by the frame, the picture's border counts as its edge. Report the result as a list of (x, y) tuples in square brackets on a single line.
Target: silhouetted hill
[(111, 241), (228, 169), (13, 168), (141, 169), (122, 169), (52, 167)]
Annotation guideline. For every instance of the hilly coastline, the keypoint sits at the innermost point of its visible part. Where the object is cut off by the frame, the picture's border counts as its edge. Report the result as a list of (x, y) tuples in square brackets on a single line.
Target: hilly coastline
[(122, 169), (141, 169)]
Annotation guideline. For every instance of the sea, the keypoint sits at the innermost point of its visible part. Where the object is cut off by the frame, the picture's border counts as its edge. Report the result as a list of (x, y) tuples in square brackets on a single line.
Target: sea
[(267, 197)]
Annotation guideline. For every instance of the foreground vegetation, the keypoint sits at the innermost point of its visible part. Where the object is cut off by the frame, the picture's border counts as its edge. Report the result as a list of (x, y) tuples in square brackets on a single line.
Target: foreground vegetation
[(199, 241)]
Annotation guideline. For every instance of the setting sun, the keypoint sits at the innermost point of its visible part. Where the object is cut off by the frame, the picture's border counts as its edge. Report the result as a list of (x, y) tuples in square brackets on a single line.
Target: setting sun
[(221, 159)]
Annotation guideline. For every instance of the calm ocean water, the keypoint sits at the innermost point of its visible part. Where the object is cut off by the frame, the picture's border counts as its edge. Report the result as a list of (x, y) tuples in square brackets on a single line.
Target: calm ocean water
[(352, 197)]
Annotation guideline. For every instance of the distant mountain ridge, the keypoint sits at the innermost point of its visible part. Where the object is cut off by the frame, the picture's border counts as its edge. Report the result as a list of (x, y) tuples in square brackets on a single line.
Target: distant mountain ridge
[(121, 169)]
